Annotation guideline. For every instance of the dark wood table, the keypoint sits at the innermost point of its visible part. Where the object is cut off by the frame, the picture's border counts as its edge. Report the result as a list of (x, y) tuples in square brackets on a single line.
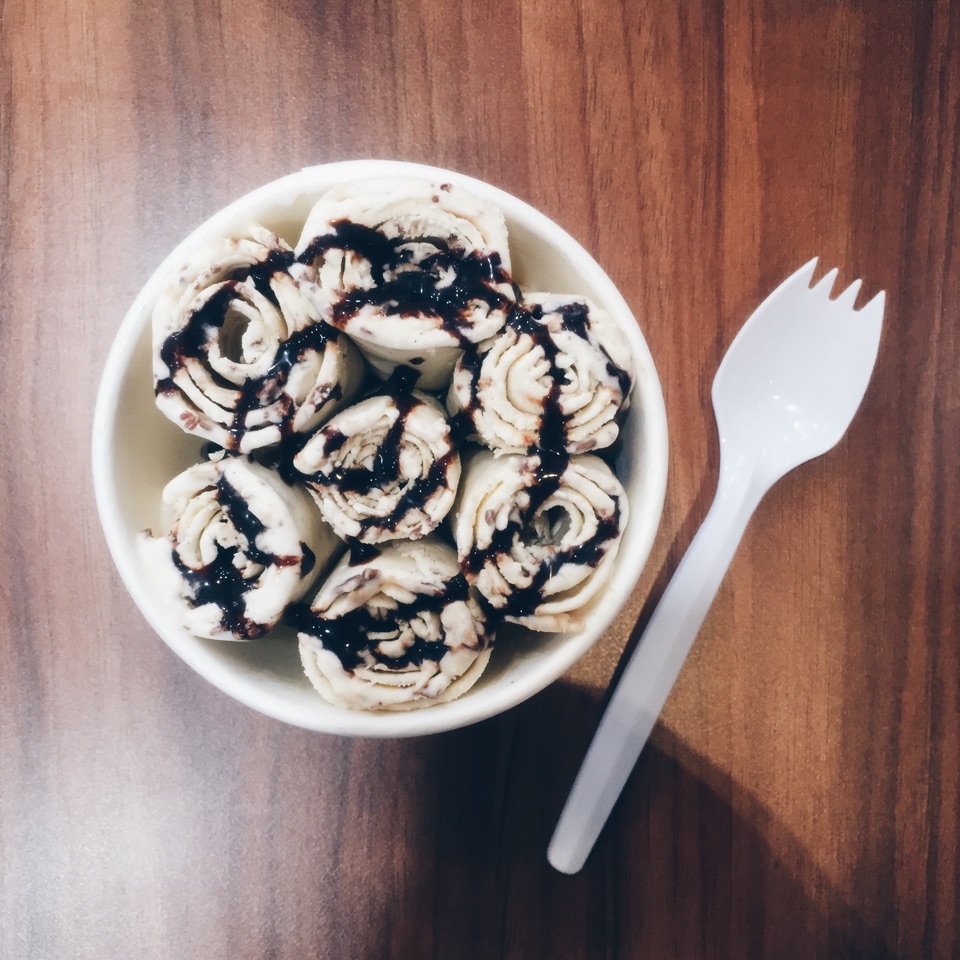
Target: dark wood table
[(800, 795)]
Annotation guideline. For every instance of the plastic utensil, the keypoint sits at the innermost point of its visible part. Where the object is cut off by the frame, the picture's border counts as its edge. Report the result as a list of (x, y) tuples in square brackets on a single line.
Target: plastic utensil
[(785, 392)]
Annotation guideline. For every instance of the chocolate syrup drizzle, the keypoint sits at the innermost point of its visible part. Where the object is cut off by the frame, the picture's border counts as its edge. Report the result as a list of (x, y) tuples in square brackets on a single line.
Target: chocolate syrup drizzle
[(415, 289), (202, 327), (221, 583), (348, 636), (523, 601), (552, 433), (385, 472), (411, 291), (552, 460)]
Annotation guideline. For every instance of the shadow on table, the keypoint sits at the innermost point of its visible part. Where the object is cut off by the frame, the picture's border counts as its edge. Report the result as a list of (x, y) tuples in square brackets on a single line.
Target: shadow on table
[(688, 866), (275, 842)]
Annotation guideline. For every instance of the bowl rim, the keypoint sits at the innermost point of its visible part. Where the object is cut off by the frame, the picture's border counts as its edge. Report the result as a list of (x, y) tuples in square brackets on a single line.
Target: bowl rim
[(450, 715)]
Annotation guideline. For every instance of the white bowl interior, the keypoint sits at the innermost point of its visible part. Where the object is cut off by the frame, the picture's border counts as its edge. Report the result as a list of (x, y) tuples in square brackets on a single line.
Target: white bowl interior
[(136, 451)]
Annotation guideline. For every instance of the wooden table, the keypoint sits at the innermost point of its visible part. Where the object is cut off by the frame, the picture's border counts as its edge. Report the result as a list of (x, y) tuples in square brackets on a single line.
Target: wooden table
[(800, 796)]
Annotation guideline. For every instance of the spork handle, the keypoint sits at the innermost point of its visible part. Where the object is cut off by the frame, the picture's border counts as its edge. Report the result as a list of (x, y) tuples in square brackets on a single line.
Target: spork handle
[(650, 674)]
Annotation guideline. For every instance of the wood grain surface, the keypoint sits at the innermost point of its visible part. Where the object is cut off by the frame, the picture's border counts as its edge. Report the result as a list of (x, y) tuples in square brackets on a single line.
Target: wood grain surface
[(800, 796)]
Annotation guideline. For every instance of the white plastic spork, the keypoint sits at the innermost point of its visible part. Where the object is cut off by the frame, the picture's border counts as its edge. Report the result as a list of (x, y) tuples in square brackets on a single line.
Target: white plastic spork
[(785, 393)]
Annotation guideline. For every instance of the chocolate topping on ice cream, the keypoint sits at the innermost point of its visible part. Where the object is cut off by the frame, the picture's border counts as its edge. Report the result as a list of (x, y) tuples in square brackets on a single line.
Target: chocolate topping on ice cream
[(221, 582), (409, 280), (349, 636)]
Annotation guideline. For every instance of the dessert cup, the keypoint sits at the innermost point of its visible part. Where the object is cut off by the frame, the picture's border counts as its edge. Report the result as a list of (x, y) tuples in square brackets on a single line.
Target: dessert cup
[(137, 451)]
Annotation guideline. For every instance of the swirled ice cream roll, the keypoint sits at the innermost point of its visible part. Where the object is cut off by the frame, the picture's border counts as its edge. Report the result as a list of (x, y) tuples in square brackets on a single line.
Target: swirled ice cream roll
[(556, 377), (242, 546), (395, 630), (538, 535), (240, 357), (384, 469), (412, 270)]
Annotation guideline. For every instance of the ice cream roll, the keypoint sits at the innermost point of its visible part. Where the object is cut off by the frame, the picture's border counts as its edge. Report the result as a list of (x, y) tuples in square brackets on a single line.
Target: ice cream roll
[(393, 629), (538, 535), (240, 356), (556, 377), (411, 270), (242, 546), (383, 469)]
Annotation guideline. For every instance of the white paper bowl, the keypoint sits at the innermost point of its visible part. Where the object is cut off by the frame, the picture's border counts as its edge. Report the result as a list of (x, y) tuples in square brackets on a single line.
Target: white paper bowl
[(136, 451)]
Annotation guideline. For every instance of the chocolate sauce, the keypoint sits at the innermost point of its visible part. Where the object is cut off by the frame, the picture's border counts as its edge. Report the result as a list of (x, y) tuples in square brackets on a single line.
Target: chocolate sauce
[(404, 288), (523, 601), (165, 386), (335, 440), (385, 468), (401, 380), (210, 450), (552, 432), (416, 496), (298, 345), (266, 391), (244, 521), (576, 318), (384, 472), (414, 290), (461, 426), (546, 482), (552, 461), (192, 338), (202, 326), (348, 636), (220, 582), (386, 462), (362, 553), (277, 261)]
